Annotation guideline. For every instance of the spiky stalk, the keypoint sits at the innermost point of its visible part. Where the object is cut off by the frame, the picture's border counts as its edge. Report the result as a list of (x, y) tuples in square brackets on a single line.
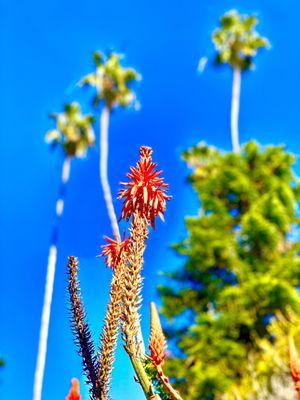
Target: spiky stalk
[(133, 284), (51, 267), (81, 330), (110, 330)]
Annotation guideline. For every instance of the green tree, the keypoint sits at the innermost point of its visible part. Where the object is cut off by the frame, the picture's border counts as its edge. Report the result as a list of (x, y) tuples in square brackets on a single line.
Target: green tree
[(242, 267), (112, 82), (75, 135), (237, 43)]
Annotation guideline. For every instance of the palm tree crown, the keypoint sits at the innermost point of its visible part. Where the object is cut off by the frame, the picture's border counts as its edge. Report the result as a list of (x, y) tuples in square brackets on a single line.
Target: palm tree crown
[(111, 80), (237, 41), (74, 131)]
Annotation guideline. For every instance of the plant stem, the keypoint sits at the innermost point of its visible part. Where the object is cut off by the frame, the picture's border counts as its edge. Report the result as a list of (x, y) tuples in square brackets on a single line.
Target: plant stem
[(235, 107), (143, 378), (44, 329), (104, 125)]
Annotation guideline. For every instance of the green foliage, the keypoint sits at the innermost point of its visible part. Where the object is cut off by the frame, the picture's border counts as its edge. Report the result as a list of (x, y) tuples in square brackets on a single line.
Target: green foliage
[(112, 81), (242, 267), (236, 41), (158, 386), (74, 131)]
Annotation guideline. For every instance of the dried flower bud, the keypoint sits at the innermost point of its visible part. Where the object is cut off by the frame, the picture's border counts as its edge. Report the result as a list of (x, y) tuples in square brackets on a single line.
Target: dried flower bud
[(113, 251), (145, 193)]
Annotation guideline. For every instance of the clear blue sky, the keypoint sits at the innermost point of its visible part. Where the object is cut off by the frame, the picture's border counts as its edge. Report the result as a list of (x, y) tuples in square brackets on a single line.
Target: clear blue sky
[(46, 47)]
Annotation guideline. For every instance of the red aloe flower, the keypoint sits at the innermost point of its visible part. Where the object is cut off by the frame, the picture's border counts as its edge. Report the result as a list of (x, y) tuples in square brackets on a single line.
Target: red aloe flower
[(113, 250), (74, 393), (145, 193)]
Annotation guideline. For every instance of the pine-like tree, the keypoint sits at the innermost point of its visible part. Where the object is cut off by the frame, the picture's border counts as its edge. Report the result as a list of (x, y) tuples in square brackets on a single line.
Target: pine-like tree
[(242, 268)]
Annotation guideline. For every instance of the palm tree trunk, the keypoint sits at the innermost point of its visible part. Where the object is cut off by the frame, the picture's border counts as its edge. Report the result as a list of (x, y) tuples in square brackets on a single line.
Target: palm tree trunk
[(104, 125), (43, 339), (235, 107)]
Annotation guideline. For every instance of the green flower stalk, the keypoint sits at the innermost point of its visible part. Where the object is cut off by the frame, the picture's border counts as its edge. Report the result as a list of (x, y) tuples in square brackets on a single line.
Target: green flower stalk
[(237, 43), (74, 133), (112, 83)]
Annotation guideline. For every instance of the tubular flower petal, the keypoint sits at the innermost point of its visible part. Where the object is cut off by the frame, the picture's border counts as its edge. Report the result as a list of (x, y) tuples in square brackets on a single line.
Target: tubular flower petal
[(74, 393), (145, 193), (113, 251)]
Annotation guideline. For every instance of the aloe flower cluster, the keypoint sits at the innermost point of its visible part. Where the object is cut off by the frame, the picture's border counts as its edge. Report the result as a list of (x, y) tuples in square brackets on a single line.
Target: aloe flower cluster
[(144, 199)]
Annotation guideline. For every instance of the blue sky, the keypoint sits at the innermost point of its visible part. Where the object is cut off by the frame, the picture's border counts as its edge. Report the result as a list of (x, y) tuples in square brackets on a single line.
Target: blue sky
[(45, 48)]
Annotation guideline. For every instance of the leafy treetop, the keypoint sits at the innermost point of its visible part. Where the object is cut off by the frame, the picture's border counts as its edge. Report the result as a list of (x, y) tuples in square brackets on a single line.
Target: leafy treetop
[(237, 41), (74, 131), (111, 80)]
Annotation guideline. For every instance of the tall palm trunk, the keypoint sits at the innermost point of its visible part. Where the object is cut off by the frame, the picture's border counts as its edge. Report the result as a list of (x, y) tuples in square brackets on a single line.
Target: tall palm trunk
[(44, 329), (235, 108), (104, 125)]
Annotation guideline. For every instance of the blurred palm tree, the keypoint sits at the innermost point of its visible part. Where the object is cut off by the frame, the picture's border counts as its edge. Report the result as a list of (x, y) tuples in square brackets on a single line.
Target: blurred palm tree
[(237, 43), (75, 135), (112, 82)]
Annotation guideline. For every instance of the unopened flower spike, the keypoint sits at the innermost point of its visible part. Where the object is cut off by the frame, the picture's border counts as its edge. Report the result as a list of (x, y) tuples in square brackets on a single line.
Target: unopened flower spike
[(74, 393), (157, 342), (145, 193), (157, 347)]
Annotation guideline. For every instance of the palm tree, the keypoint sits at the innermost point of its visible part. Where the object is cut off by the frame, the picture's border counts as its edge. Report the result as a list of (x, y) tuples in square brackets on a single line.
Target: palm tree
[(74, 134), (112, 82), (237, 42)]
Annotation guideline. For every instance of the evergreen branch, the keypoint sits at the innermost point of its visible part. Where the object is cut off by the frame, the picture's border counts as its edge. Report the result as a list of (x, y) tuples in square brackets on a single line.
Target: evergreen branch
[(81, 330)]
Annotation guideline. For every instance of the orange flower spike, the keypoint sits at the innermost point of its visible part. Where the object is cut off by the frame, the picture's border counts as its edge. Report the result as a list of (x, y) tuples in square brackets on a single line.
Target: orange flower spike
[(113, 251), (145, 193), (157, 342), (74, 393), (157, 347), (294, 364)]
